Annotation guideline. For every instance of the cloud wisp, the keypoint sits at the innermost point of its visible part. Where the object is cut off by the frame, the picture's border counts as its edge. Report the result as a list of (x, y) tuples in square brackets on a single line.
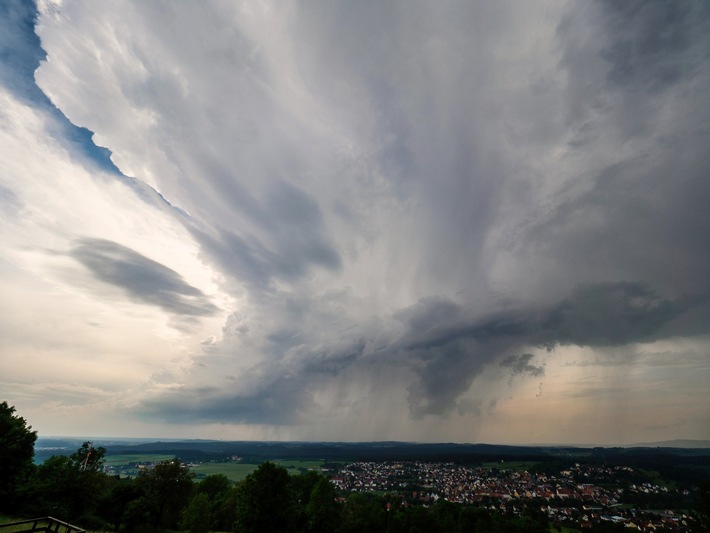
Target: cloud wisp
[(143, 279)]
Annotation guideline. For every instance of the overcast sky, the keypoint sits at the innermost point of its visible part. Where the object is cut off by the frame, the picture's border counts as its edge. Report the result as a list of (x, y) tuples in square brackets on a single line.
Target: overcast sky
[(401, 220)]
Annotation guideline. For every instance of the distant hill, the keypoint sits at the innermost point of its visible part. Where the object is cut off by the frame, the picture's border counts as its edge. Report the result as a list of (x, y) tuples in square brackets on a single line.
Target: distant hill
[(677, 443), (259, 451)]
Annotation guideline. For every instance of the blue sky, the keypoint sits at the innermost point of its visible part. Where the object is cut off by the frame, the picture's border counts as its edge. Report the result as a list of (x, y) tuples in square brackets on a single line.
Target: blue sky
[(473, 222)]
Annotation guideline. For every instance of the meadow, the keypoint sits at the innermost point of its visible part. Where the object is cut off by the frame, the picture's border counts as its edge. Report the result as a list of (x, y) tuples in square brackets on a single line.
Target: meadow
[(127, 459), (125, 465)]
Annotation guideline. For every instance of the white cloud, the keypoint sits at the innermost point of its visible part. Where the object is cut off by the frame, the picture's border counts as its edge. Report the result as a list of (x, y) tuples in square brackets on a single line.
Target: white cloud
[(60, 326)]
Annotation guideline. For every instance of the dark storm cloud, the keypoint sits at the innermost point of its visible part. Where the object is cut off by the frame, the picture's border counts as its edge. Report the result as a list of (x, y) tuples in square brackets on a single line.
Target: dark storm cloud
[(639, 51), (520, 364), (444, 373), (608, 314), (143, 279), (447, 349), (444, 346), (625, 259), (573, 181), (278, 392), (643, 219), (637, 72), (334, 361), (649, 41), (296, 240), (284, 401)]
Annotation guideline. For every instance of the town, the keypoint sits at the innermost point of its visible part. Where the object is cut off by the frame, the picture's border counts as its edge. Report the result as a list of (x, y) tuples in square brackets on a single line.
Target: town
[(580, 496)]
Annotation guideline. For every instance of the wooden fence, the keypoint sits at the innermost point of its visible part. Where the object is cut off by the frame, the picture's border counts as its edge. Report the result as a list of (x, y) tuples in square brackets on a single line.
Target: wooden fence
[(46, 524)]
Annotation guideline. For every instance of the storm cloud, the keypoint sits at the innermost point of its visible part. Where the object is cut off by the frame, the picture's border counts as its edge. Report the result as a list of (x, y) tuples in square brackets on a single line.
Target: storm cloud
[(443, 347), (385, 220)]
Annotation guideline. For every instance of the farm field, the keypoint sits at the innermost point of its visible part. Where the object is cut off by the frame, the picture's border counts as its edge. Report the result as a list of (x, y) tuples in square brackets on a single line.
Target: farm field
[(294, 465), (239, 471), (126, 459), (233, 471), (122, 464)]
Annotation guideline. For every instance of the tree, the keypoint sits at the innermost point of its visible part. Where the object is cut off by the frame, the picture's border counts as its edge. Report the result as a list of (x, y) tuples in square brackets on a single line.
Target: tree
[(50, 491), (17, 441), (702, 507), (198, 515), (264, 501), (313, 497), (215, 486), (301, 488), (220, 494), (115, 501), (322, 511), (70, 488), (168, 489), (89, 459)]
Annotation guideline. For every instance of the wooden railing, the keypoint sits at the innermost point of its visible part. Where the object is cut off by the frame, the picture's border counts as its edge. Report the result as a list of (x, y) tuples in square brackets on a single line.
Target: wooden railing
[(46, 524)]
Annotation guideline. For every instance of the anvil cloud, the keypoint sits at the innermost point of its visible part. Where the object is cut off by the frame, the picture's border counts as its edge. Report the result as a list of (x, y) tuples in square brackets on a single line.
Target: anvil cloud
[(357, 220)]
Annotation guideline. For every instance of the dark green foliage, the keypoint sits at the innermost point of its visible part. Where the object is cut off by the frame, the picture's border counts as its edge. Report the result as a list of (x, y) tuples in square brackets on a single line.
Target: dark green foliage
[(222, 497), (50, 490), (215, 486), (702, 506), (167, 489), (65, 487), (139, 515), (197, 517), (533, 520), (364, 512), (264, 501), (114, 502), (322, 511), (89, 459), (16, 452), (446, 515), (301, 488)]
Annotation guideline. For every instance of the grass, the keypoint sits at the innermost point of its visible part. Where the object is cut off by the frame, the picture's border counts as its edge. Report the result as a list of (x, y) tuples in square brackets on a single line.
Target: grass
[(7, 520)]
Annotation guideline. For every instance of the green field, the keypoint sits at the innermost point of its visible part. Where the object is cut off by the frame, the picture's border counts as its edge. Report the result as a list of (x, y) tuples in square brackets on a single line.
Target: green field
[(124, 460), (234, 471), (238, 471), (294, 465)]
